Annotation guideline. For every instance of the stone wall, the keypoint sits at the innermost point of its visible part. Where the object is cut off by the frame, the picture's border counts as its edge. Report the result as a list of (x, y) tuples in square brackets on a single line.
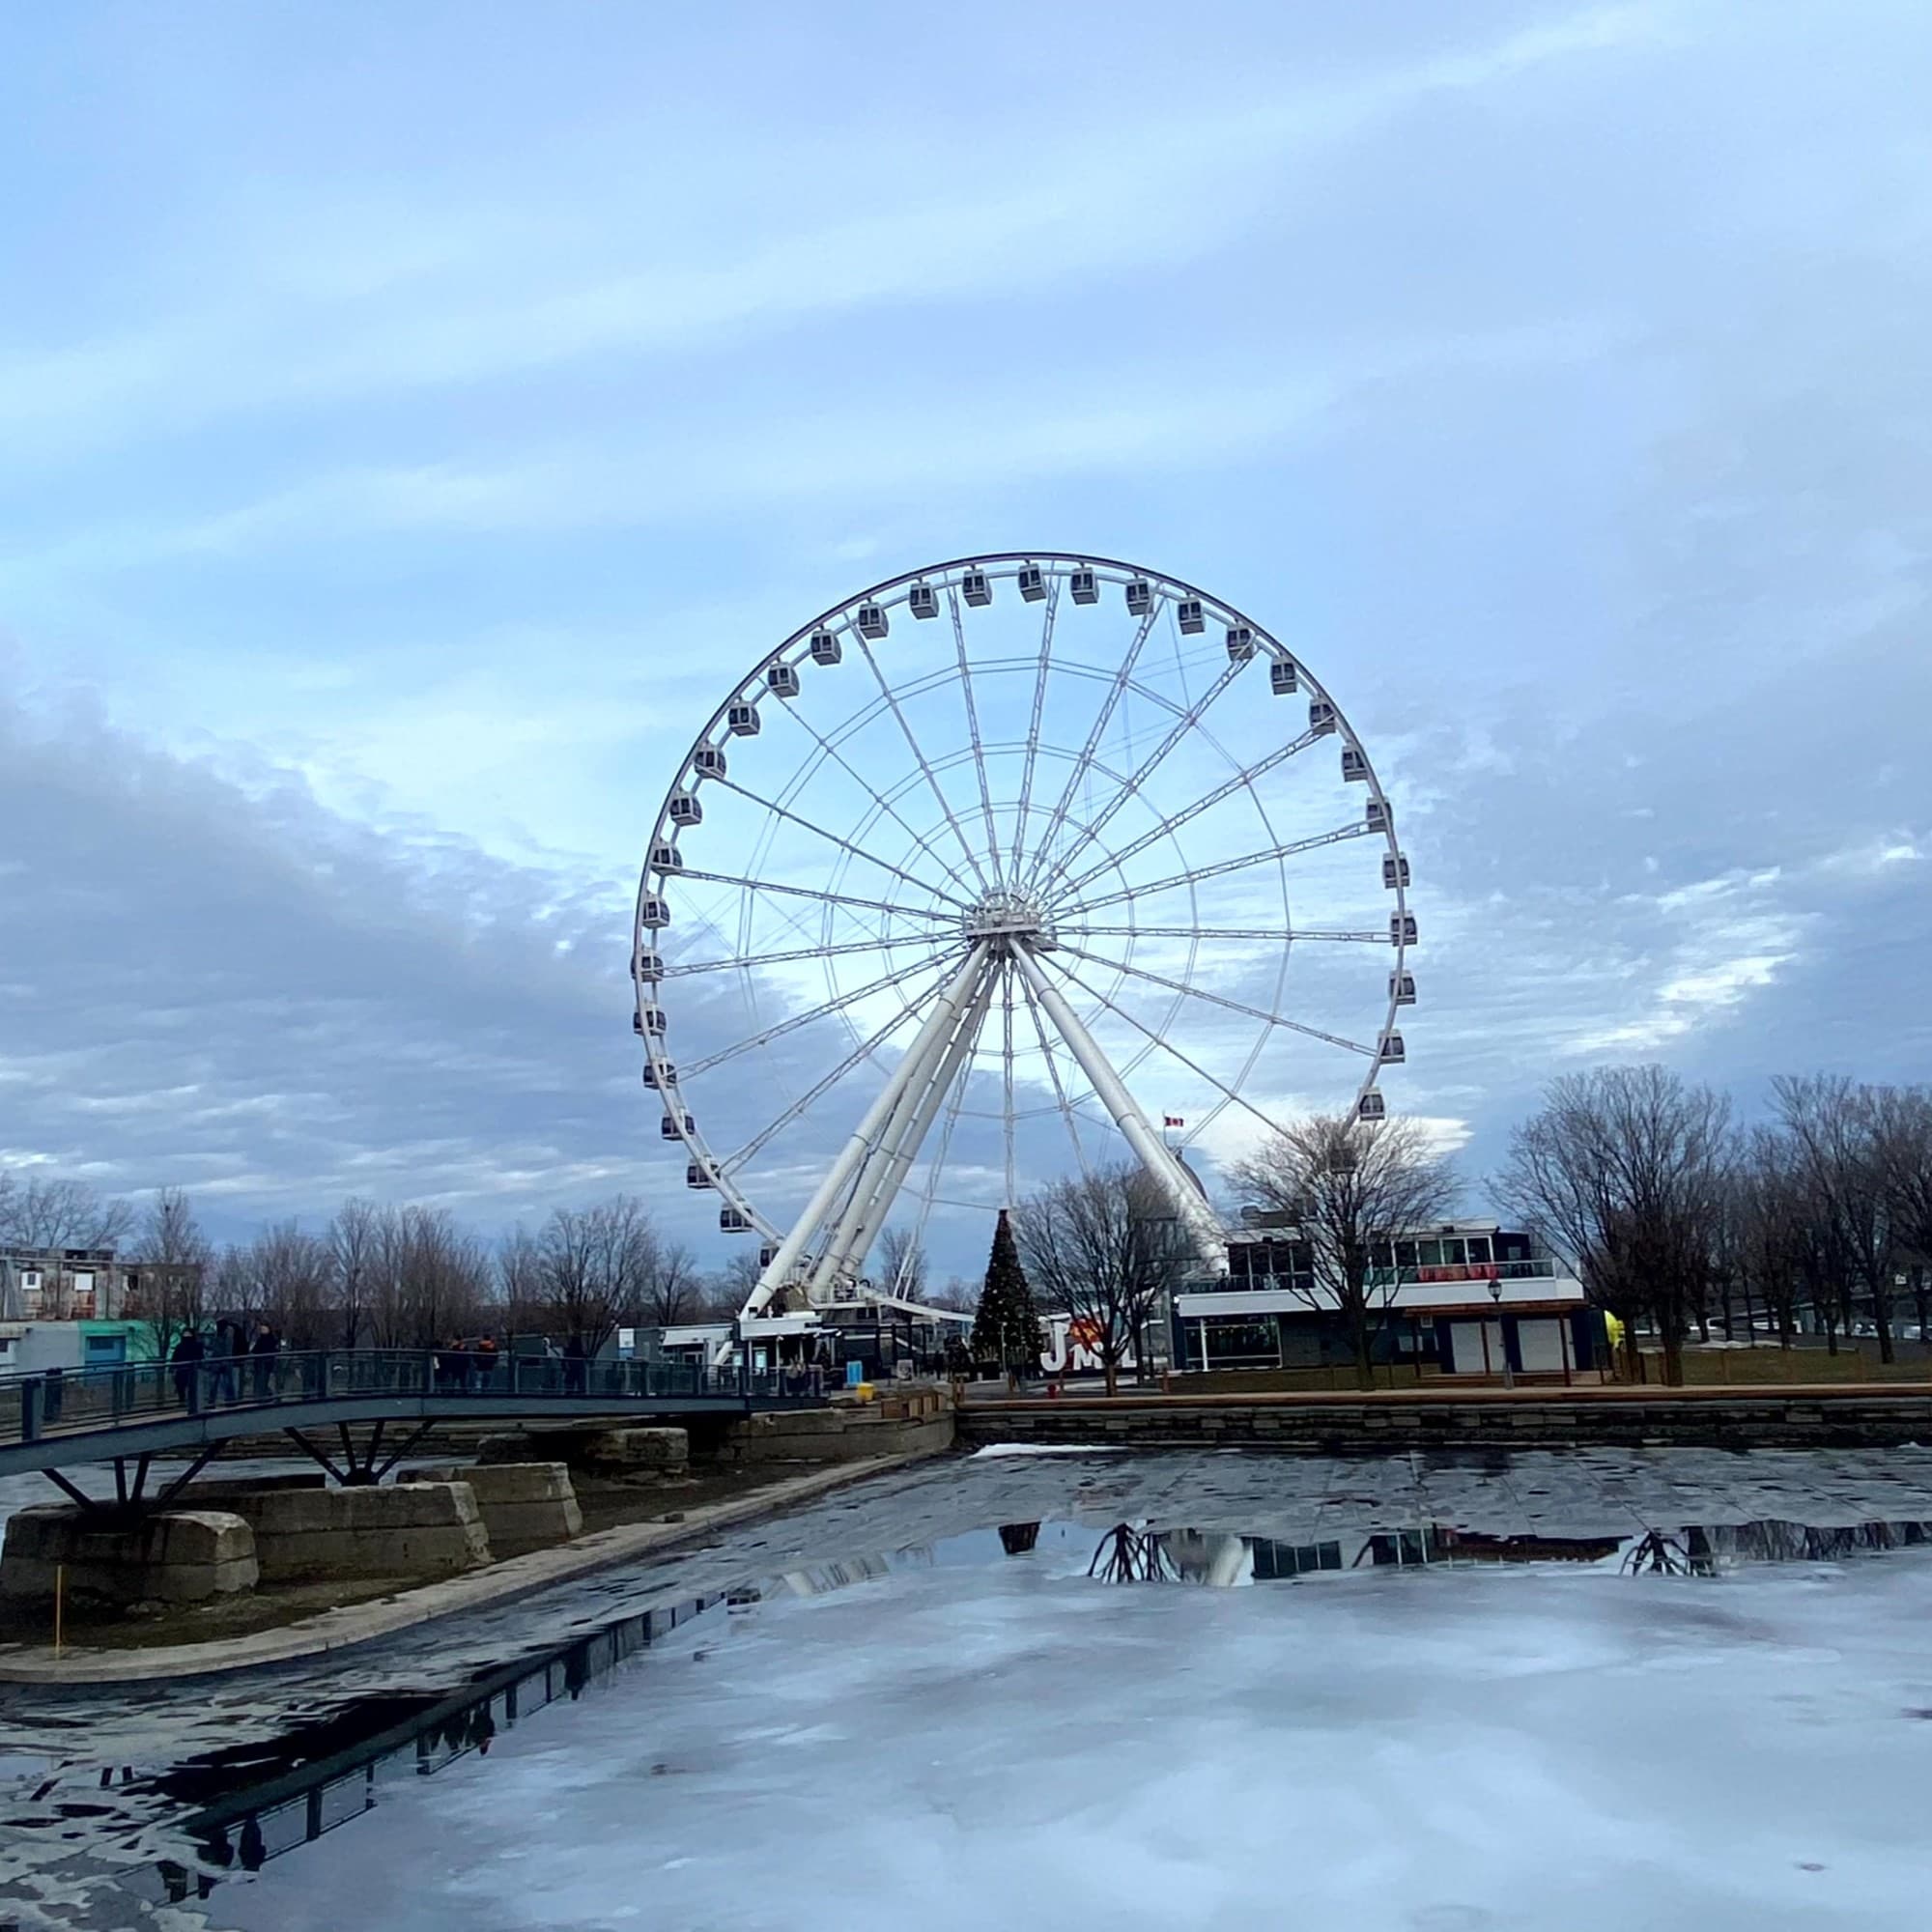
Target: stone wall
[(916, 1423), (525, 1506), (172, 1556), (401, 1529), (1326, 1425)]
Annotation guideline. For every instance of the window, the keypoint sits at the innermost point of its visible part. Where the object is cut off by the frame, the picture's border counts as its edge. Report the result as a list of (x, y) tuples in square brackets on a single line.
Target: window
[(1404, 1254), (1453, 1253), (1479, 1248), (1429, 1254)]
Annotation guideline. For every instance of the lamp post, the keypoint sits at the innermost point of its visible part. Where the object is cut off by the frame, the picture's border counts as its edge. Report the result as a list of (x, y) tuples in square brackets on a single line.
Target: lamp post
[(1497, 1296)]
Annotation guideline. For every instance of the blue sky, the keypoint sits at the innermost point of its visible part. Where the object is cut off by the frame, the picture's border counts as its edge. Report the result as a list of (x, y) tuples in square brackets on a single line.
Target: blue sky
[(411, 419)]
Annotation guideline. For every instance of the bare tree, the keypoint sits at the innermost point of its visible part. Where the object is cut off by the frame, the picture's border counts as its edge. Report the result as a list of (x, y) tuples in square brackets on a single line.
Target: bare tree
[(734, 1282), (430, 1279), (673, 1288), (520, 1280), (48, 1213), (901, 1264), (1622, 1171), (291, 1282), (1350, 1184), (1834, 1125), (1107, 1247), (596, 1262), (173, 1258), (1902, 1126), (353, 1237)]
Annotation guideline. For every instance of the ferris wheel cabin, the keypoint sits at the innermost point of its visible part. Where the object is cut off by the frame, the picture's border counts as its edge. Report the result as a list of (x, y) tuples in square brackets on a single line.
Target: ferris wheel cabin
[(743, 719), (1188, 614), (1281, 677), (1033, 583), (1084, 586), (923, 601), (1139, 597), (977, 587)]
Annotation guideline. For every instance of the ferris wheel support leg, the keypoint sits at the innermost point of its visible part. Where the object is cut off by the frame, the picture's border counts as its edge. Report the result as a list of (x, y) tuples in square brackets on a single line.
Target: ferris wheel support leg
[(839, 1176), (1192, 1211), (884, 1175)]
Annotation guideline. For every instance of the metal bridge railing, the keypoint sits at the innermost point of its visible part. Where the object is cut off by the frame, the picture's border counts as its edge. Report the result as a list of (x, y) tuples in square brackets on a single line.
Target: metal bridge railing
[(63, 1402)]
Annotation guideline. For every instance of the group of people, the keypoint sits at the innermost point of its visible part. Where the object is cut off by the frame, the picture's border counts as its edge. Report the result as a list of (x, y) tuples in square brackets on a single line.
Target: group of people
[(229, 1356), (467, 1363)]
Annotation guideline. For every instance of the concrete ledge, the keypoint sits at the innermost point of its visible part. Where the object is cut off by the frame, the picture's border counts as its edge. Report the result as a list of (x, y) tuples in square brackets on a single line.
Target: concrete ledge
[(919, 1424), (361, 1623), (1801, 1418)]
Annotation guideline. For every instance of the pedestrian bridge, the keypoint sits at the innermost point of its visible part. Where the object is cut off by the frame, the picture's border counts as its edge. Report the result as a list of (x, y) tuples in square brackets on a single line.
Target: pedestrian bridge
[(56, 1420)]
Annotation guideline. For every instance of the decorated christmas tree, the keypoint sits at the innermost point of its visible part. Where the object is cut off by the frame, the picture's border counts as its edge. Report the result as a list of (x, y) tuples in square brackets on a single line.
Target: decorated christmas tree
[(1006, 1328)]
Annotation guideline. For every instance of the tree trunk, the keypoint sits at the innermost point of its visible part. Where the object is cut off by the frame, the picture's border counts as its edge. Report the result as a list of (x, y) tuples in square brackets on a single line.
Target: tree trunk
[(1365, 1368), (1110, 1368), (1831, 1336), (1882, 1321)]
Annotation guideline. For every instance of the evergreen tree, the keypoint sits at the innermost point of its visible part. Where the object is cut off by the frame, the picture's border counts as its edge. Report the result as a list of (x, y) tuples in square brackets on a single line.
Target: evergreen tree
[(1006, 1328)]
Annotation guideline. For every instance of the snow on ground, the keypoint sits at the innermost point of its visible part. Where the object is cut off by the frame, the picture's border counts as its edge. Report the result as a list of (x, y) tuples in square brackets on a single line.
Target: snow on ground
[(1012, 1745)]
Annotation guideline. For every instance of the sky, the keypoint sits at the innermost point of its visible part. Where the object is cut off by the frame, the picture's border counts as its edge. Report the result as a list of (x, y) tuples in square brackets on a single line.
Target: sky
[(413, 420)]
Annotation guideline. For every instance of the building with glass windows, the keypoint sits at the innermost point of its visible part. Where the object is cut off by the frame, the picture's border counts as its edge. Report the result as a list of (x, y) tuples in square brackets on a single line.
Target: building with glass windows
[(1464, 1299)]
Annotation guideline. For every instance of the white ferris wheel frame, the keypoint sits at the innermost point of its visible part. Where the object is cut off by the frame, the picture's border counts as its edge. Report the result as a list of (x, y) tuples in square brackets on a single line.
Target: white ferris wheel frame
[(824, 1248)]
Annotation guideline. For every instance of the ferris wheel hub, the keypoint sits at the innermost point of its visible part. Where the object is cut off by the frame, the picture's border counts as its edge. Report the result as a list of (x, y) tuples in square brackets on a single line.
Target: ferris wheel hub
[(1005, 915)]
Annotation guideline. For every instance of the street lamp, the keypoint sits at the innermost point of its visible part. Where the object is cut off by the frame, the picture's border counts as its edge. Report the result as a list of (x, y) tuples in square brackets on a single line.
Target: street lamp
[(1497, 1296)]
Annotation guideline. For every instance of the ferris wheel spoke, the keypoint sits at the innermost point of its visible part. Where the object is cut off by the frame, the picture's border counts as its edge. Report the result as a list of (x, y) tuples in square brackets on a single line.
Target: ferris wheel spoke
[(1066, 1109), (1227, 1093), (735, 1161), (1269, 853), (823, 1010), (973, 724), (828, 748), (1116, 688), (750, 961), (845, 844), (1220, 1000), (1033, 728), (1176, 820), (1277, 932), (1006, 1073), (913, 746), (1186, 723), (814, 892)]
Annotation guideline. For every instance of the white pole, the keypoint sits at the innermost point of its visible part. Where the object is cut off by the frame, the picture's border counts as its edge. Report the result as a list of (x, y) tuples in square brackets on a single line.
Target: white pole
[(881, 1179), (1166, 1172), (860, 1145)]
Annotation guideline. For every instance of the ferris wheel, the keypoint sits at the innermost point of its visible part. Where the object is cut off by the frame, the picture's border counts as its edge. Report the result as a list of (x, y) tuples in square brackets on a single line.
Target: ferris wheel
[(983, 871)]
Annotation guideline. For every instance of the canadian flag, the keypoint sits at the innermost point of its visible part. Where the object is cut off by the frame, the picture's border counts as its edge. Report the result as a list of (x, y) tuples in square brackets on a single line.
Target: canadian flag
[(1173, 1120)]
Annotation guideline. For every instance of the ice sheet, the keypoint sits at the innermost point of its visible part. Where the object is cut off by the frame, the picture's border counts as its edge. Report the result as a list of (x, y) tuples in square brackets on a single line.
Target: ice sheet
[(1016, 1746)]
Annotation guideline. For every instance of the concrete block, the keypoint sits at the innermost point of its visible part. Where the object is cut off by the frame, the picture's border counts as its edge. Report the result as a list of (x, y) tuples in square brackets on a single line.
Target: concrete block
[(406, 1530), (171, 1556), (525, 1506)]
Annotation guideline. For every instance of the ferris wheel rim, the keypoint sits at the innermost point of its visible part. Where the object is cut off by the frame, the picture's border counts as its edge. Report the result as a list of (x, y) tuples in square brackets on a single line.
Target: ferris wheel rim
[(891, 592)]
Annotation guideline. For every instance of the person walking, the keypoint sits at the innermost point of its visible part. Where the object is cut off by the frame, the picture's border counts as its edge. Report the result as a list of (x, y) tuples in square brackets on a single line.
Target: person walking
[(262, 1352), (187, 1359), (227, 1347)]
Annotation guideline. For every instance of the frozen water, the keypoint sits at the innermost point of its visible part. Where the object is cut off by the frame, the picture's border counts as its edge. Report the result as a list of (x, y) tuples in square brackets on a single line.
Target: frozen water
[(912, 1725), (1015, 1746)]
